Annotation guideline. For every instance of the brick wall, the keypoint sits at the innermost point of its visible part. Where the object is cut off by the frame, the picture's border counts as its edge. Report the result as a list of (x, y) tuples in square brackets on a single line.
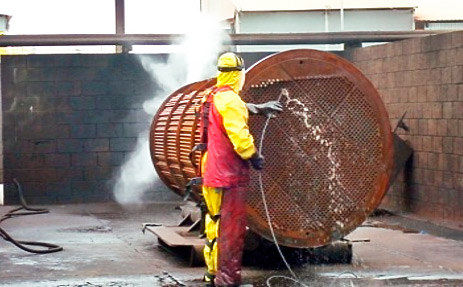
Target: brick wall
[(423, 77), (69, 122)]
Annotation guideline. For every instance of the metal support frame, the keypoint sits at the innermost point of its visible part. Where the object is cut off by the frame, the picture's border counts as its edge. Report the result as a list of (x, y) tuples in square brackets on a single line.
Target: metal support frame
[(120, 16), (235, 39), (120, 25)]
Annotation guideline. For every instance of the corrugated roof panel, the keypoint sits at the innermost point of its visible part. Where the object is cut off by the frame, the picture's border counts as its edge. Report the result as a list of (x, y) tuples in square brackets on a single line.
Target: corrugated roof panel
[(297, 5)]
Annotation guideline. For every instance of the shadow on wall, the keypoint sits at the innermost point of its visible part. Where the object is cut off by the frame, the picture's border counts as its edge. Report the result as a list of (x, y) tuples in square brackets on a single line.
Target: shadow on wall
[(408, 186)]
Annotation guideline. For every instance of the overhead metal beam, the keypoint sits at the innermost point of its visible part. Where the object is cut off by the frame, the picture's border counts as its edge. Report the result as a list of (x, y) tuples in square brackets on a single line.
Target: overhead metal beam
[(235, 39)]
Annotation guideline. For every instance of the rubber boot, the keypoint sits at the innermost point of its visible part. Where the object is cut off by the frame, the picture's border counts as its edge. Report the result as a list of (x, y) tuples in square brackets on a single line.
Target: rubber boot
[(209, 280)]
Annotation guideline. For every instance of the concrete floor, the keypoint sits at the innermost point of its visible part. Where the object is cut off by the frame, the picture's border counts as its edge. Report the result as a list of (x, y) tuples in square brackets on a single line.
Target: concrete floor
[(104, 246)]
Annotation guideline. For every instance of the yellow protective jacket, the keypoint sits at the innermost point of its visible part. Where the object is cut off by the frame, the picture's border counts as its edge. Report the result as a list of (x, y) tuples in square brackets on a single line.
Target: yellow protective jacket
[(229, 143)]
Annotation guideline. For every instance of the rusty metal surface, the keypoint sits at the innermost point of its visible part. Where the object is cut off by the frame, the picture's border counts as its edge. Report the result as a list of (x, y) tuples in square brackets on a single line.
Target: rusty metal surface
[(176, 235), (235, 39), (173, 134), (328, 155)]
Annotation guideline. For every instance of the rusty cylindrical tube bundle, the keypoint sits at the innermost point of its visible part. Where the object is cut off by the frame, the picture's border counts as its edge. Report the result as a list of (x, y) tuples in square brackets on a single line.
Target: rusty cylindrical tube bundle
[(329, 154), (174, 133)]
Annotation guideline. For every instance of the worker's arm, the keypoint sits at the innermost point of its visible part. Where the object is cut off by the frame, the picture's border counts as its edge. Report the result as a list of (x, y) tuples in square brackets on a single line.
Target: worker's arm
[(235, 120), (267, 109)]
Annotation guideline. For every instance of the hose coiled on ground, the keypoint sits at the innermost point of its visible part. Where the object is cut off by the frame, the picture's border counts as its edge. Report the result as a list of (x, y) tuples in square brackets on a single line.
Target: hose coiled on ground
[(26, 210)]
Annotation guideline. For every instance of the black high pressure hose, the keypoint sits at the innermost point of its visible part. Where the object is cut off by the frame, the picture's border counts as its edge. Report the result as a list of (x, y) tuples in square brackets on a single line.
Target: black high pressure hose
[(50, 248)]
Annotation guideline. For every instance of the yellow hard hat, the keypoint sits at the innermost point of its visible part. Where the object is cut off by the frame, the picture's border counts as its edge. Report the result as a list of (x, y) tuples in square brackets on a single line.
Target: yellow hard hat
[(229, 62)]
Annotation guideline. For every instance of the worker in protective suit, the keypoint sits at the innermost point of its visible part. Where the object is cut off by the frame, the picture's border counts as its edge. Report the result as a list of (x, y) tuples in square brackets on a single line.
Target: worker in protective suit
[(225, 170)]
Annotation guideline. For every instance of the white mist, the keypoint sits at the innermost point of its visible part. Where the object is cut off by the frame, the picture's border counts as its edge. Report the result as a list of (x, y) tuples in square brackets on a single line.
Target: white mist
[(194, 60)]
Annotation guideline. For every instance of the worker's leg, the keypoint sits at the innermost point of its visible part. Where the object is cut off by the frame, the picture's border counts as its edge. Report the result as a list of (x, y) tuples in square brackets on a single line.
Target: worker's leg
[(232, 231), (213, 198)]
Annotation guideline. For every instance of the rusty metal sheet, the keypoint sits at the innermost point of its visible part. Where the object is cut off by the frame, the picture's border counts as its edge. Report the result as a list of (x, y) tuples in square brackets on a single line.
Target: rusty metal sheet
[(328, 155), (176, 235)]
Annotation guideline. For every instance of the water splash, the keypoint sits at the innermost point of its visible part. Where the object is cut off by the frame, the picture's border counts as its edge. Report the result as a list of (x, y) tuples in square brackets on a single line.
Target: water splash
[(317, 133)]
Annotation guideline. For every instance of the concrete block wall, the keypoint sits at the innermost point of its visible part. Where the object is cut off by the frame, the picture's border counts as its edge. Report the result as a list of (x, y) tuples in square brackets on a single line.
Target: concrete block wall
[(69, 122), (423, 77)]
